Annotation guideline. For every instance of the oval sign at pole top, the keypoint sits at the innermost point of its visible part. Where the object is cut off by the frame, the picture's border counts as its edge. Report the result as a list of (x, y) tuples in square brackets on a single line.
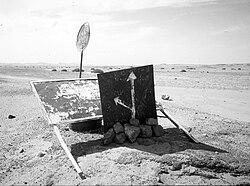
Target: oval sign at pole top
[(83, 37)]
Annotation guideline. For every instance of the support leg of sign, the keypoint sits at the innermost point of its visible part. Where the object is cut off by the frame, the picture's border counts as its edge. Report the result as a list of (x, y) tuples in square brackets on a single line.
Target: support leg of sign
[(80, 75), (65, 148), (177, 125)]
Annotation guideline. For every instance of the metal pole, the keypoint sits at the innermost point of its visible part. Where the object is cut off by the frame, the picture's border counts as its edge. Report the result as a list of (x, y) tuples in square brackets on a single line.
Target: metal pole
[(80, 75)]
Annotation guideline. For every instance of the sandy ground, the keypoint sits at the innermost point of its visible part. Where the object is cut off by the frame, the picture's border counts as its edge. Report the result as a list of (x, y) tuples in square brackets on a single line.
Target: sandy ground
[(211, 101), (233, 104)]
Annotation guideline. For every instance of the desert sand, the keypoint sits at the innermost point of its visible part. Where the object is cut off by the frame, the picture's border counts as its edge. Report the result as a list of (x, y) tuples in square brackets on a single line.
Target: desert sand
[(211, 101)]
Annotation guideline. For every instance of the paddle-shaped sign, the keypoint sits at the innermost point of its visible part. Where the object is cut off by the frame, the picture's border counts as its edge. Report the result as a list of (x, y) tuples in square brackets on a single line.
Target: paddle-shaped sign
[(82, 41)]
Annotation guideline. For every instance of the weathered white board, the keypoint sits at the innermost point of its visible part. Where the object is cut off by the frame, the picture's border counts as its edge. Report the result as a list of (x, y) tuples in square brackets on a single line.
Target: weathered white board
[(69, 100)]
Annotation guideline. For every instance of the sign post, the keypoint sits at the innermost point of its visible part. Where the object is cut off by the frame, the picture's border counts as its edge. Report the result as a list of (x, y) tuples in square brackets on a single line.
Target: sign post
[(82, 41)]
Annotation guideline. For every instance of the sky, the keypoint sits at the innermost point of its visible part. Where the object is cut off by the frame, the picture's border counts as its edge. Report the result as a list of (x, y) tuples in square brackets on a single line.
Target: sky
[(126, 32)]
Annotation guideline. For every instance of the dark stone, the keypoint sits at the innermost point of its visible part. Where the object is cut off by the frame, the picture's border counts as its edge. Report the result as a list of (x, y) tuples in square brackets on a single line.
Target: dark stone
[(120, 138), (118, 127), (134, 122), (165, 97), (132, 132), (21, 150), (108, 136), (151, 121), (158, 130), (11, 116), (146, 131), (145, 141), (41, 154), (66, 129)]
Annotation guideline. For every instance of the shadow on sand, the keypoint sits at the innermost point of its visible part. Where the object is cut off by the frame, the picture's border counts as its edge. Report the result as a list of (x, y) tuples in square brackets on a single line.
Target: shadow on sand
[(173, 141)]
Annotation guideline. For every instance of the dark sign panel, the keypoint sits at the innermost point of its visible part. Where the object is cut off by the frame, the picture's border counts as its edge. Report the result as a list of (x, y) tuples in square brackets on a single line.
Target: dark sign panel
[(127, 94), (69, 100)]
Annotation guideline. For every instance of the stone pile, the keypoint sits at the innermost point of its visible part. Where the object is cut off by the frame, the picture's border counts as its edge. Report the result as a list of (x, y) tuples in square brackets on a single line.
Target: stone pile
[(133, 131)]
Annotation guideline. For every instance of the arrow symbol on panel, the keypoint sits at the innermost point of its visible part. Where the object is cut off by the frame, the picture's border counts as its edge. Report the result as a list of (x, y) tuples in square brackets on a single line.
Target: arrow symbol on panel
[(132, 78), (118, 101)]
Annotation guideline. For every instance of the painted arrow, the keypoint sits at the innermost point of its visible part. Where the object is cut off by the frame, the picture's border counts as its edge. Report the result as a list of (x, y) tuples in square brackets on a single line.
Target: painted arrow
[(132, 78), (118, 101)]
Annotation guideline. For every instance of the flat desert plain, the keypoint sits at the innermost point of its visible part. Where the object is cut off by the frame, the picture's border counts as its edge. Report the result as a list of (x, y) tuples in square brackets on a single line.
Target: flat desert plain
[(210, 101)]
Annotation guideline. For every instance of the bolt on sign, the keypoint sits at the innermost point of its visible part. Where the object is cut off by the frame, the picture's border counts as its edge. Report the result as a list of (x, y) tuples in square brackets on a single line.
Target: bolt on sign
[(69, 100), (127, 94)]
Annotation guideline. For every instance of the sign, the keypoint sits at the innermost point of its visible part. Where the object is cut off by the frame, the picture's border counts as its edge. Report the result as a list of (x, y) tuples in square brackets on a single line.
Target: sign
[(127, 94), (82, 41), (69, 100), (83, 35)]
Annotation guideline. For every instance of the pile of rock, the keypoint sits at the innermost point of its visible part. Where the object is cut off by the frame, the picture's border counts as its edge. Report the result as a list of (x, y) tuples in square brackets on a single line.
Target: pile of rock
[(133, 131)]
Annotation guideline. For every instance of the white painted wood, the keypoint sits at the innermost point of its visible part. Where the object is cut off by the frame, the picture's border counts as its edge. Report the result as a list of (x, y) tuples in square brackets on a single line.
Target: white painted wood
[(65, 148)]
